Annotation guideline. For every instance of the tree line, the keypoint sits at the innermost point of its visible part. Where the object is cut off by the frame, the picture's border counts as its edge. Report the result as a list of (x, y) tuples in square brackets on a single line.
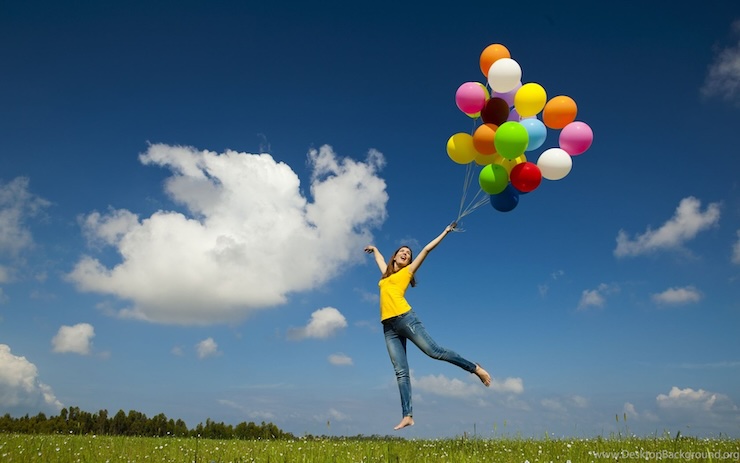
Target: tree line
[(75, 421)]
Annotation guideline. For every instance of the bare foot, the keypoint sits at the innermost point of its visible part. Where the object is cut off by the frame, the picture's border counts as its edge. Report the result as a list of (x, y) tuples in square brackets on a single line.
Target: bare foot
[(406, 421), (483, 375)]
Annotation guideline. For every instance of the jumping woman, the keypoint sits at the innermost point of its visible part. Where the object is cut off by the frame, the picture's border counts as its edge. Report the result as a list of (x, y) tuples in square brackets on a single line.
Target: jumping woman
[(400, 322)]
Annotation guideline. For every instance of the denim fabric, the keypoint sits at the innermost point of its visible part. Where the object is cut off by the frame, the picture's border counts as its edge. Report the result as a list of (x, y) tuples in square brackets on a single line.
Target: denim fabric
[(408, 326)]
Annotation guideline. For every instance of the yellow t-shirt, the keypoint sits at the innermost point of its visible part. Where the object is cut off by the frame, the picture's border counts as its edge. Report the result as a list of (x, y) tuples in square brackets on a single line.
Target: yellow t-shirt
[(392, 294)]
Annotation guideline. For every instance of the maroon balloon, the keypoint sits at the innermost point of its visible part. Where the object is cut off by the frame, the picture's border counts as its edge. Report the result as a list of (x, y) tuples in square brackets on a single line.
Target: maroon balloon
[(525, 177), (495, 111)]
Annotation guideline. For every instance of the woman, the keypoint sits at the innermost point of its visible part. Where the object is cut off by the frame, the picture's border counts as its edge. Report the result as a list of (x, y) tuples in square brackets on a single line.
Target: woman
[(400, 323)]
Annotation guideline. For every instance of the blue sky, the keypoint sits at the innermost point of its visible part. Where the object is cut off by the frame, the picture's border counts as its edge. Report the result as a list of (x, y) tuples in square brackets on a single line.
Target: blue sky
[(186, 189)]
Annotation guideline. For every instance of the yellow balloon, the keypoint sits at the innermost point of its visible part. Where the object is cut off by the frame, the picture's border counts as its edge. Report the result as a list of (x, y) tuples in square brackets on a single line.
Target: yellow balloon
[(530, 99), (509, 164), (485, 89), (460, 148), (485, 159)]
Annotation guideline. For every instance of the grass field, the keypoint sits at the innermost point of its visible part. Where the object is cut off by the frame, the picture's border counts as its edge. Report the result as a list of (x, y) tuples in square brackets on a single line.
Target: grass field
[(100, 449)]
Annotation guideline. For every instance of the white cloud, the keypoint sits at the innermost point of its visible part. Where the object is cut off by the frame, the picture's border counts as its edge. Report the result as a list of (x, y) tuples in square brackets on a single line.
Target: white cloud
[(108, 229), (323, 324), (687, 222), (17, 204), (247, 240), (630, 410), (596, 297), (75, 339), (560, 405), (340, 359), (19, 384), (508, 385), (5, 274), (675, 296), (553, 405), (444, 386), (207, 348), (696, 400), (247, 411), (579, 401), (644, 415), (336, 415), (723, 76), (736, 250)]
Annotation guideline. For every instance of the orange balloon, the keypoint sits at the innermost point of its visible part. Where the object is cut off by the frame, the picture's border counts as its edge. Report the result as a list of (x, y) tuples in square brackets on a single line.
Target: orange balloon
[(559, 112), (483, 138), (491, 54)]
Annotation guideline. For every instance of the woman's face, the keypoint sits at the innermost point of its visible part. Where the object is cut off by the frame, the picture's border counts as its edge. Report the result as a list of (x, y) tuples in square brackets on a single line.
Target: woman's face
[(403, 257)]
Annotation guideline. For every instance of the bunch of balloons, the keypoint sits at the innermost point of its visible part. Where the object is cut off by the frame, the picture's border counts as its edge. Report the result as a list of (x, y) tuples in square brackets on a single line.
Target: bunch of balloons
[(512, 122)]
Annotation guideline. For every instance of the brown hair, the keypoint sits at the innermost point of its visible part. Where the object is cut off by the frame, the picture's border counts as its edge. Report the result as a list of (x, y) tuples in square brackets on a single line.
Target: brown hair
[(390, 268)]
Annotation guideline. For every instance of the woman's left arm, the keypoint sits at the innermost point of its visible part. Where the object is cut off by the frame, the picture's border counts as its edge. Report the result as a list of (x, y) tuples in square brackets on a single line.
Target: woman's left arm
[(416, 263)]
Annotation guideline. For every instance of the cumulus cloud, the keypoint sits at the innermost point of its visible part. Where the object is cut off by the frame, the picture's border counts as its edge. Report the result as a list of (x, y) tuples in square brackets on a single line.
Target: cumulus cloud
[(324, 323), (736, 250), (631, 413), (75, 339), (340, 360), (246, 239), (723, 75), (596, 298), (444, 386), (686, 223), (17, 204), (19, 384), (676, 296), (207, 348), (508, 385), (697, 400)]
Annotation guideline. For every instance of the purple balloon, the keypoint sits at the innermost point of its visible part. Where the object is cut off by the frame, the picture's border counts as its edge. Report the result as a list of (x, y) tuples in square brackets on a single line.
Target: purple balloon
[(508, 96)]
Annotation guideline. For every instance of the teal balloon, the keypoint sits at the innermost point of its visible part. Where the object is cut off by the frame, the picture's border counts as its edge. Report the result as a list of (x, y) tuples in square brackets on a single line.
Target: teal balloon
[(536, 131), (493, 179), (511, 139)]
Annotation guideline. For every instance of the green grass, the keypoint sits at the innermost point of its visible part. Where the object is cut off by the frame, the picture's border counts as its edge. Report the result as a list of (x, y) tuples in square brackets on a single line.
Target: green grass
[(100, 449)]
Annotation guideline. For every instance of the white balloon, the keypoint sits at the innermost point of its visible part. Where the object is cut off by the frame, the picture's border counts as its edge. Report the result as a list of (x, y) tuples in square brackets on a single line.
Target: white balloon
[(504, 75), (555, 163)]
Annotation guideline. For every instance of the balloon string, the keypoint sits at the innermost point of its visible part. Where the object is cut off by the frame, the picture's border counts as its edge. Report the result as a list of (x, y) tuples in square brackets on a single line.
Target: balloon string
[(477, 201), (468, 180), (469, 176)]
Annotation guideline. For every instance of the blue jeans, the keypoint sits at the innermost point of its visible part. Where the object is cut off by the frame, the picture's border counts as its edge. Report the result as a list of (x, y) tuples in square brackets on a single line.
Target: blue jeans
[(408, 326)]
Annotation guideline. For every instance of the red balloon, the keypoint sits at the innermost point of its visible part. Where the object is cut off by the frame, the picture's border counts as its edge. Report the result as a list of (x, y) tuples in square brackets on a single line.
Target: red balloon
[(495, 111), (525, 177)]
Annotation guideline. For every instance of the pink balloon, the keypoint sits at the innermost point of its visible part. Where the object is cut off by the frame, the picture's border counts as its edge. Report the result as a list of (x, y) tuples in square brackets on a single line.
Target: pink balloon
[(576, 138), (470, 97)]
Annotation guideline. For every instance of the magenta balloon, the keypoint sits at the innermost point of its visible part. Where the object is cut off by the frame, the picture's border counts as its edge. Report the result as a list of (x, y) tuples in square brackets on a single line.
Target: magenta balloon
[(576, 138), (470, 97)]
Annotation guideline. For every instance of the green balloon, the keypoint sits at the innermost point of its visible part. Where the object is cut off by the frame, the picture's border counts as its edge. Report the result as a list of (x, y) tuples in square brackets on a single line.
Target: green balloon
[(511, 139), (493, 179)]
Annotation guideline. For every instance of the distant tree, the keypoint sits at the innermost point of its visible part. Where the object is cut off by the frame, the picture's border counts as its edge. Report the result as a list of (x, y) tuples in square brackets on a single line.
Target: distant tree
[(134, 423)]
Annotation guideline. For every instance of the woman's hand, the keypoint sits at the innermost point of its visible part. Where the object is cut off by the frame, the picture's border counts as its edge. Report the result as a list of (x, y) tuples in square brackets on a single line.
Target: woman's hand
[(451, 227), (370, 249)]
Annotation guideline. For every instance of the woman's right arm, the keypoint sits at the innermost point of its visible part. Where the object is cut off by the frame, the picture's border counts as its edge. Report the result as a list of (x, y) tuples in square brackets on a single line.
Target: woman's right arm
[(378, 257)]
